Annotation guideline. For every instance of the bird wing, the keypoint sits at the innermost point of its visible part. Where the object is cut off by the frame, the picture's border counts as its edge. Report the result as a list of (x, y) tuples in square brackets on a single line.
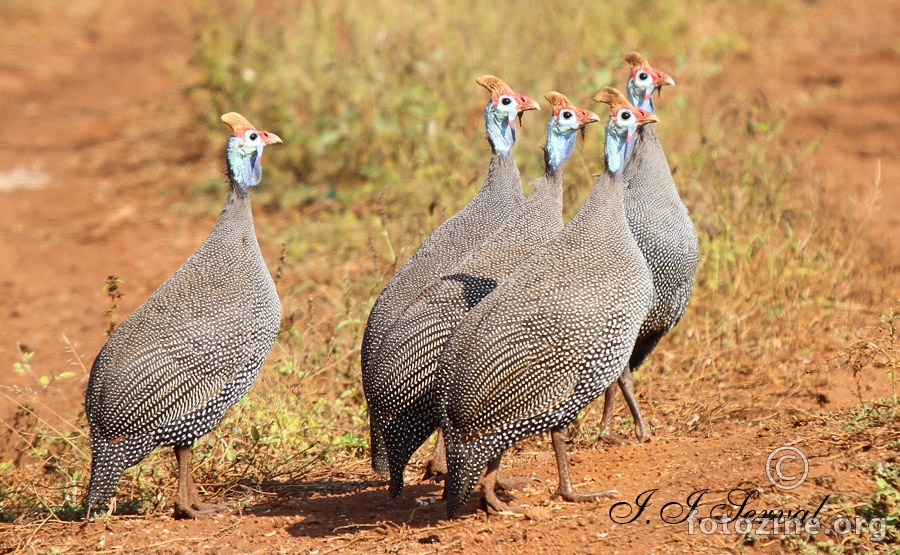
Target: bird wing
[(516, 363), (171, 357)]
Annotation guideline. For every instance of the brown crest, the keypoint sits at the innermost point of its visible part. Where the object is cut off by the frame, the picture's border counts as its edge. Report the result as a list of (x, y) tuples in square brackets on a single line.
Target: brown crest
[(612, 96), (493, 84), (237, 122), (637, 61), (558, 101)]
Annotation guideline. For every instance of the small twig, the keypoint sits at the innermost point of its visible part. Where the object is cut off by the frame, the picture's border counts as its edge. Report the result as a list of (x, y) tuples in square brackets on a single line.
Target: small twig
[(71, 348), (351, 526), (156, 545), (218, 534), (36, 530), (340, 547), (282, 259), (111, 288)]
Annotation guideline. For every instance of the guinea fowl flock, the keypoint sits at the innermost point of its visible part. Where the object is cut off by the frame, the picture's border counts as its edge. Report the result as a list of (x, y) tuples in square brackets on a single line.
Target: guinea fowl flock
[(505, 323)]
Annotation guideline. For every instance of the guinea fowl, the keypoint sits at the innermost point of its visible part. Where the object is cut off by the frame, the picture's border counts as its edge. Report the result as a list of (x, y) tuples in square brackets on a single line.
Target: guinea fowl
[(169, 372), (552, 337), (406, 362), (664, 232), (500, 198)]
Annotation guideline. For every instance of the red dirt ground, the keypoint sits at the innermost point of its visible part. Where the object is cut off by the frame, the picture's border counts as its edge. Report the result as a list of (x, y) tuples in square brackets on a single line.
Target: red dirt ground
[(97, 121)]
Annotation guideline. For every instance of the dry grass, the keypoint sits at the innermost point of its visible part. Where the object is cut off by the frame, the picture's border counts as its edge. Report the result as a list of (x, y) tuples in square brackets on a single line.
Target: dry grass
[(385, 142)]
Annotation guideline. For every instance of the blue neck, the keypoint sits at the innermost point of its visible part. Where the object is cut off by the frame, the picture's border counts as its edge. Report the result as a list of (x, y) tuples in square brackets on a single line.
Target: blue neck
[(617, 148), (560, 144), (500, 133), (244, 168), (636, 97)]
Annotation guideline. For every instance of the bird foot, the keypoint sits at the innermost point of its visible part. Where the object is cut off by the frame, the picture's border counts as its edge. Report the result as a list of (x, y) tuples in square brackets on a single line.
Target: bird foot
[(493, 505), (509, 484), (610, 439), (586, 497), (197, 509), (435, 470)]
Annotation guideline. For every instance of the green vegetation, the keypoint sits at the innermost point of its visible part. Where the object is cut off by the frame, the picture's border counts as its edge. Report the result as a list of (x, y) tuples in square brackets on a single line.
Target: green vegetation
[(384, 98), (889, 350), (383, 130), (885, 502), (111, 288)]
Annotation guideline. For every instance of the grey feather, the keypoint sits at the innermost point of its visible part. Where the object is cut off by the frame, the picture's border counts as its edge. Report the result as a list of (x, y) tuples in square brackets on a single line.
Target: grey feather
[(546, 342), (169, 372)]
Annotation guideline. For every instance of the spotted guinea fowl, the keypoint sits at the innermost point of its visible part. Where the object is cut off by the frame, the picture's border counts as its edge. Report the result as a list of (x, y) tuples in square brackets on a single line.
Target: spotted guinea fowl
[(169, 372), (552, 337), (499, 198), (664, 232), (407, 412)]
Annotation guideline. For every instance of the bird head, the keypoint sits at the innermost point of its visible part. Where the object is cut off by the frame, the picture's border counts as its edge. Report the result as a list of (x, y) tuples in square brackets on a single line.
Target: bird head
[(624, 119), (565, 122), (502, 111), (568, 118), (244, 150), (644, 81)]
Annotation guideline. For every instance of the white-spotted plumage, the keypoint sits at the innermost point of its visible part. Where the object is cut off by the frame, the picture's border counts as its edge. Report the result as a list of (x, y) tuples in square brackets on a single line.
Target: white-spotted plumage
[(499, 198), (408, 356), (169, 372), (664, 232), (549, 339)]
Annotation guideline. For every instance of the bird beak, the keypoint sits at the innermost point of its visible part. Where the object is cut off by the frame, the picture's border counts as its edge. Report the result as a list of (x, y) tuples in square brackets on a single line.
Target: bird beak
[(523, 107), (588, 117), (649, 117), (271, 138), (662, 81), (531, 105)]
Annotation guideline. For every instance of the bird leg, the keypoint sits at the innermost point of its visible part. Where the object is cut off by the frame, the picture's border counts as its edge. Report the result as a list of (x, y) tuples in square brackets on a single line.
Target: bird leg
[(187, 498), (626, 384), (436, 468), (609, 399), (505, 484), (492, 502), (565, 477), (111, 509)]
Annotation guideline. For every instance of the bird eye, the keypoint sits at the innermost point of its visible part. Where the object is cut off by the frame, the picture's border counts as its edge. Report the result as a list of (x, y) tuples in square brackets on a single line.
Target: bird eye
[(506, 101), (626, 115), (253, 136), (566, 114), (643, 76)]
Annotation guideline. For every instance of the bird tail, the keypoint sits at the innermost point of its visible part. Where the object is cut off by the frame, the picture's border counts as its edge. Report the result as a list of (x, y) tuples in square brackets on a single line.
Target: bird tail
[(465, 465), (108, 461), (380, 462), (106, 469), (403, 436)]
